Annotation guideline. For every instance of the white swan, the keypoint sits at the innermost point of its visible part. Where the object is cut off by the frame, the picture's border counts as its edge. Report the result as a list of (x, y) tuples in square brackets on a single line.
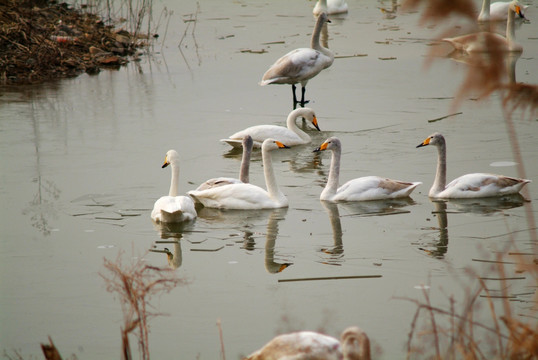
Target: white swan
[(330, 7), (473, 185), (301, 65), (173, 208), (487, 41), (497, 11), (247, 196), (309, 345), (290, 135), (359, 189), (247, 143)]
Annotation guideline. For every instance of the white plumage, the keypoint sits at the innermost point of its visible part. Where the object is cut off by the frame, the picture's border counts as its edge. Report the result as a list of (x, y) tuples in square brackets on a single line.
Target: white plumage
[(497, 11), (331, 7), (473, 185), (363, 188)]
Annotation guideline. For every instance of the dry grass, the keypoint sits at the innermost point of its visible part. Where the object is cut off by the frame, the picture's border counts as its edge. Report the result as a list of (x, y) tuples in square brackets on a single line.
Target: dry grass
[(134, 284)]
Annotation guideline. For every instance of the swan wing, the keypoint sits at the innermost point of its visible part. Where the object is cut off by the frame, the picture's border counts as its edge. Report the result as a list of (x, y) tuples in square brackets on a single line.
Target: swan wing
[(482, 185), (374, 188), (261, 132), (171, 209), (235, 196), (297, 66), (216, 182)]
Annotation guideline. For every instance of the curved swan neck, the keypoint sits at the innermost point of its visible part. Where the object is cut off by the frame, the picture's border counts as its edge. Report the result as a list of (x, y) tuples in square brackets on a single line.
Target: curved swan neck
[(270, 178), (291, 123), (334, 174), (439, 183), (174, 184), (314, 42), (485, 11), (510, 28)]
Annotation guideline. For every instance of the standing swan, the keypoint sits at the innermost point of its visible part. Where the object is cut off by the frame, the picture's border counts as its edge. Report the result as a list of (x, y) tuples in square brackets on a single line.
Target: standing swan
[(301, 65), (243, 171), (247, 196), (359, 189), (309, 345), (331, 7), (487, 41), (173, 208), (497, 11), (290, 136), (473, 185)]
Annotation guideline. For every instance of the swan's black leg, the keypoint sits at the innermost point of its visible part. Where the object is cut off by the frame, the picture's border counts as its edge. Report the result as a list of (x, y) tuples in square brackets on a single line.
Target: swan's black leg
[(303, 101), (295, 102)]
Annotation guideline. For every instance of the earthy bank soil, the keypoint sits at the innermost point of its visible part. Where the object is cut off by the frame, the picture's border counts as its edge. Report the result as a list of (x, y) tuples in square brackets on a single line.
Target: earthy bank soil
[(44, 40)]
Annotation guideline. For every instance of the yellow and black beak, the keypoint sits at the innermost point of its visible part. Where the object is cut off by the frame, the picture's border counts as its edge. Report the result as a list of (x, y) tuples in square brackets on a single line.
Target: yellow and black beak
[(519, 12), (424, 143), (322, 147), (166, 162), (315, 123), (281, 146)]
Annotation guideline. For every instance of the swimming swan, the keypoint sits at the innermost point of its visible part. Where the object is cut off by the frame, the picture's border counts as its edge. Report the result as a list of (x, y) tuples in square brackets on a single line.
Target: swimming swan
[(488, 41), (473, 185), (330, 7), (497, 11), (247, 196), (173, 208), (359, 189), (243, 171), (309, 345), (290, 136), (301, 65)]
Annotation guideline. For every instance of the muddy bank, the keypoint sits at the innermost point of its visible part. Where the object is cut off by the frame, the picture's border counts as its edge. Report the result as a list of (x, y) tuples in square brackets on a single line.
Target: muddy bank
[(43, 40)]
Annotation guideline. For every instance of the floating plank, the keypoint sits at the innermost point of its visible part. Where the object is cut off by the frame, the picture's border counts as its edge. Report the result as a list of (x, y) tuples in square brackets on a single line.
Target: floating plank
[(331, 278), (444, 117), (217, 249)]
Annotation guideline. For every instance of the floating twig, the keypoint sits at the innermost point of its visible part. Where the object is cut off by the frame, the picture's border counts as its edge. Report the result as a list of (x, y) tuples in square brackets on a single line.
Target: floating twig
[(444, 117), (331, 278), (217, 249)]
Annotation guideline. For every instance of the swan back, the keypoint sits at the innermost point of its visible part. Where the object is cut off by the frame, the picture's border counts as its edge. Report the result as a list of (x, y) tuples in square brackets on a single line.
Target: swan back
[(330, 7)]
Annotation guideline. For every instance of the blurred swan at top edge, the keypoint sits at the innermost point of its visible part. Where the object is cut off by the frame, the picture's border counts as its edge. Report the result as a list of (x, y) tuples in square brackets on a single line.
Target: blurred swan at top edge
[(302, 64), (365, 188), (473, 185), (331, 7), (498, 11), (487, 41)]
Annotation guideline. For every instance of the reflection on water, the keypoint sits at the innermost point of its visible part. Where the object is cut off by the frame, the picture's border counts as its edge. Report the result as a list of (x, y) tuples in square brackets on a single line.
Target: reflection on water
[(171, 233), (485, 206), (336, 251), (271, 265)]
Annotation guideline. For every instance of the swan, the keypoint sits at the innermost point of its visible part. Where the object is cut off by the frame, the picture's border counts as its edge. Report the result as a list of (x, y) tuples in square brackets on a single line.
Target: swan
[(473, 185), (488, 41), (497, 11), (247, 196), (331, 7), (290, 136), (301, 65), (359, 189), (173, 208), (247, 143), (309, 345)]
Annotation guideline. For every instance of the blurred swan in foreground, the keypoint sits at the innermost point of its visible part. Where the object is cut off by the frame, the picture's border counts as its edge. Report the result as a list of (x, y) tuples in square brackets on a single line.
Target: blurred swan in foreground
[(488, 41), (247, 143), (470, 185), (309, 345), (497, 11), (290, 135), (301, 65), (247, 196), (173, 208), (330, 7), (359, 189)]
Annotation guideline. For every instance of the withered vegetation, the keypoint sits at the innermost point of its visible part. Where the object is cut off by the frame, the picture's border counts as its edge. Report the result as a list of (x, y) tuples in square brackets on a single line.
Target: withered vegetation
[(43, 40)]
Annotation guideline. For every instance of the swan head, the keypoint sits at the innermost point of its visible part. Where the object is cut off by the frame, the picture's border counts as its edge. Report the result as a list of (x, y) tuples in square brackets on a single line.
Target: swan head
[(307, 114), (355, 344), (272, 144), (247, 142), (172, 157), (323, 17), (516, 7), (435, 139), (330, 144)]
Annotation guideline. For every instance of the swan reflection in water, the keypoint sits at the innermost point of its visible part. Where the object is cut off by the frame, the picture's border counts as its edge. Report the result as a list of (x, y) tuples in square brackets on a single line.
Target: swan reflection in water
[(246, 220), (482, 206), (171, 233), (356, 208)]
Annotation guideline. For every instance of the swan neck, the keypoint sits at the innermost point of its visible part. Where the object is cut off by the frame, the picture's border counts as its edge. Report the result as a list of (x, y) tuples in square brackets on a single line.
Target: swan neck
[(510, 28), (291, 123), (440, 176), (485, 11), (245, 166), (334, 174), (174, 184), (314, 42), (270, 179)]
